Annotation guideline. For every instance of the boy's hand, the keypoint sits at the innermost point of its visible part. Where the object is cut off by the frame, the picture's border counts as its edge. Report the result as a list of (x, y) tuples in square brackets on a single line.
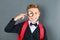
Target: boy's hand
[(22, 15)]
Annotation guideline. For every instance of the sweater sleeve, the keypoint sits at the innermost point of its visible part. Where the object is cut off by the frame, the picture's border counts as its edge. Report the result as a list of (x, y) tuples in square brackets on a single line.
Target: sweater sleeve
[(12, 28), (45, 34)]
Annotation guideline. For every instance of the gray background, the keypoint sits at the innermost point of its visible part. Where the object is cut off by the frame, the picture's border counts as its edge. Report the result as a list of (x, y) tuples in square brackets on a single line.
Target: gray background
[(50, 16)]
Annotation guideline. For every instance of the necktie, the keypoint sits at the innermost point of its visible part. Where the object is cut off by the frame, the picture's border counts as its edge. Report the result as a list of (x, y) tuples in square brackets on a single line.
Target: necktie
[(33, 24)]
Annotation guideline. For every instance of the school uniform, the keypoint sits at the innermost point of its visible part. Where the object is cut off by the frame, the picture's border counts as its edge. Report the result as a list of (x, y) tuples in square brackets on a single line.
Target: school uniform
[(32, 32)]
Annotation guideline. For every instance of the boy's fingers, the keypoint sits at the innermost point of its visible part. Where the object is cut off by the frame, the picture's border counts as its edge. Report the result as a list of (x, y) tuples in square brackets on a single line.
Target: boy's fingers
[(25, 14)]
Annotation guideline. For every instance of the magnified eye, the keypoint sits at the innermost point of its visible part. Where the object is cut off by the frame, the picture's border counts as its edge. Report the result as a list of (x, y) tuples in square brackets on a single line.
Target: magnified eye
[(30, 14)]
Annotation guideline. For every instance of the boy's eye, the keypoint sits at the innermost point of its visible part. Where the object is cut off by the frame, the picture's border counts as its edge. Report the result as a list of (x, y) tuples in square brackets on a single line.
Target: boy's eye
[(35, 13), (30, 14)]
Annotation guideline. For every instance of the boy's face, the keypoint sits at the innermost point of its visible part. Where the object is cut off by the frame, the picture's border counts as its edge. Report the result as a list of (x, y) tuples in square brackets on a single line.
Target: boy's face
[(33, 14)]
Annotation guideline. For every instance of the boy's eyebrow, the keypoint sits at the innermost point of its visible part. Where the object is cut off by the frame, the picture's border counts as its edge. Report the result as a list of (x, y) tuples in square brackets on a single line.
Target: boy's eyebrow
[(29, 10)]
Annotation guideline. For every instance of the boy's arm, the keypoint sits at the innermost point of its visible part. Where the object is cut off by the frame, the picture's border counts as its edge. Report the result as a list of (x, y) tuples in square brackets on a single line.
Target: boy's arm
[(12, 28)]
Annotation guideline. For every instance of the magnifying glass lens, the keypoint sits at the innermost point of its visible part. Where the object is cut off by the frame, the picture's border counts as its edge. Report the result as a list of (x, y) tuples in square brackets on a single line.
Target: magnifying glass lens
[(30, 14)]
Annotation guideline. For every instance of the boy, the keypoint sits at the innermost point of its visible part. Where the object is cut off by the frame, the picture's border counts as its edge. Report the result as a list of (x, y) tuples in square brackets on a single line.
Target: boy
[(30, 29)]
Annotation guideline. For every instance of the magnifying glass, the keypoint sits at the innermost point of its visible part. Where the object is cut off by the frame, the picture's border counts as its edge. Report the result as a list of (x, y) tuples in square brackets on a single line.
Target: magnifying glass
[(30, 14)]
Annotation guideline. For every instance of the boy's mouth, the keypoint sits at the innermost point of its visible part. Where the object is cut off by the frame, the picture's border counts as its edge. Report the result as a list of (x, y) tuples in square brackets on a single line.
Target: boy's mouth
[(33, 18)]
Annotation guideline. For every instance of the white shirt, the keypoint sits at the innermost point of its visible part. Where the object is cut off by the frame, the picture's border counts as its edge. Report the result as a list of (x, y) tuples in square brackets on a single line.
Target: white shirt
[(32, 28)]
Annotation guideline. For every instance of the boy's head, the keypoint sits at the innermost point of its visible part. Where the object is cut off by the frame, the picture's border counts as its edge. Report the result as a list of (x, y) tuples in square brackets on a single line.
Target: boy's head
[(33, 12)]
